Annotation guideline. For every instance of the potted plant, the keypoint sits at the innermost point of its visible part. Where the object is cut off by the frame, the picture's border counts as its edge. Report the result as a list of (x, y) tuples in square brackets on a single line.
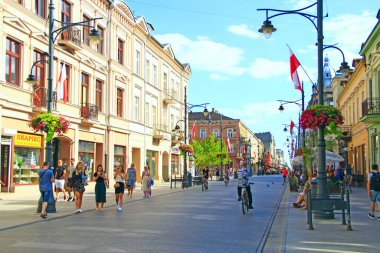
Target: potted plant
[(49, 124)]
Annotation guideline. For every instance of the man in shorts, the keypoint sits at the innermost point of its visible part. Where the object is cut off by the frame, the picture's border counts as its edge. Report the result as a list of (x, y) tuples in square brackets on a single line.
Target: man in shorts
[(60, 180), (69, 173), (373, 187)]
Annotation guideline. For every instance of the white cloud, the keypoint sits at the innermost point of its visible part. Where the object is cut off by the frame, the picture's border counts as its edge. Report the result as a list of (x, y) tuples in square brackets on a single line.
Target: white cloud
[(243, 30), (299, 4), (205, 54), (216, 76), (263, 68)]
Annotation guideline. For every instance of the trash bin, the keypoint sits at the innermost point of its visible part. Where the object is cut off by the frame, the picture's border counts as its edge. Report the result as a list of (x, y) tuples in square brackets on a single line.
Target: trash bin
[(190, 180)]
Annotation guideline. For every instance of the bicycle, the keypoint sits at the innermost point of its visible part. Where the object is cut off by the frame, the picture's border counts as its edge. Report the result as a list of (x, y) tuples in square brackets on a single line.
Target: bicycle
[(244, 197), (204, 184), (226, 180)]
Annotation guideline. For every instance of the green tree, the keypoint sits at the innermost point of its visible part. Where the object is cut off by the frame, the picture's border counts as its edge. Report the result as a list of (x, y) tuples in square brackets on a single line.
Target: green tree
[(207, 152)]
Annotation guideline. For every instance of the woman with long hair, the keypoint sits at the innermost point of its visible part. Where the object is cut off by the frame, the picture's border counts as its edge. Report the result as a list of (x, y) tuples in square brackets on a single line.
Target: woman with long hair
[(119, 187), (100, 187), (78, 180), (145, 177)]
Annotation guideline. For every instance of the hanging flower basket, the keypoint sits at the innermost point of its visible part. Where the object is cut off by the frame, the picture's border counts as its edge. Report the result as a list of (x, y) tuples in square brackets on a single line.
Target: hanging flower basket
[(49, 124), (185, 148), (322, 115)]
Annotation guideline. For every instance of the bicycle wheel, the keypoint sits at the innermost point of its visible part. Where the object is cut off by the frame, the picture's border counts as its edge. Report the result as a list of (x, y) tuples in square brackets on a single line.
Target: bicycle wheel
[(244, 202)]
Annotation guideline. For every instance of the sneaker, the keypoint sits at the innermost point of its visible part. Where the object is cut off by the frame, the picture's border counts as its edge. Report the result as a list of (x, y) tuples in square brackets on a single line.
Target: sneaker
[(69, 199), (119, 209), (77, 211), (250, 207), (80, 210), (239, 199), (73, 200), (371, 216)]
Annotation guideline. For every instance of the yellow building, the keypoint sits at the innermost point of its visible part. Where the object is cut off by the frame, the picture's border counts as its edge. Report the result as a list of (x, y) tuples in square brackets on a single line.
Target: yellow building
[(122, 95), (354, 140)]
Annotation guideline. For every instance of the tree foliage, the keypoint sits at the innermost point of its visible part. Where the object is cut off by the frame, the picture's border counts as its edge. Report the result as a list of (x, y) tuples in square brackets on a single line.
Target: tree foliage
[(207, 152)]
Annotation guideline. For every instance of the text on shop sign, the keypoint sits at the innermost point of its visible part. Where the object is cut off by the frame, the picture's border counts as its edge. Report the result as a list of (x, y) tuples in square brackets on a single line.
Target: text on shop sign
[(28, 140)]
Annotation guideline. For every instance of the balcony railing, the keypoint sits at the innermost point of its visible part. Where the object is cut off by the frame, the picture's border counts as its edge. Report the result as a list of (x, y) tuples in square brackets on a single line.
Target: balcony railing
[(169, 96), (371, 106), (89, 111), (40, 96), (71, 37)]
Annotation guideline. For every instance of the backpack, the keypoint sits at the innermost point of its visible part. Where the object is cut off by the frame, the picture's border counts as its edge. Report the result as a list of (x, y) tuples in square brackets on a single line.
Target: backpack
[(375, 182)]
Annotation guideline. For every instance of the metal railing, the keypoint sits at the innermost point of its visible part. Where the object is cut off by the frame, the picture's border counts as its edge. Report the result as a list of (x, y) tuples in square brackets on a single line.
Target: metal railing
[(170, 94), (371, 106), (89, 111), (40, 96), (72, 34)]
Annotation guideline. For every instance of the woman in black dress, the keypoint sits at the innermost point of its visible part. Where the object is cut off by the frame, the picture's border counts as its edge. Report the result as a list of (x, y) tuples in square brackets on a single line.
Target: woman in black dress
[(78, 180), (100, 187)]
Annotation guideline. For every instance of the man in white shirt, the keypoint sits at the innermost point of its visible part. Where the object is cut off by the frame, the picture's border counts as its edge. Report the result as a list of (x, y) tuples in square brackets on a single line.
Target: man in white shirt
[(243, 177)]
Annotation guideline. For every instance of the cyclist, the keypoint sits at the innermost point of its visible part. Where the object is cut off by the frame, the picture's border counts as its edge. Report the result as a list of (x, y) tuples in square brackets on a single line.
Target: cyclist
[(243, 175), (206, 173), (226, 174)]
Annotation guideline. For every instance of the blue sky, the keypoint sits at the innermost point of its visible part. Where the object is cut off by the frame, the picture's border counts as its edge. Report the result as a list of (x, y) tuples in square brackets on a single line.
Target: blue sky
[(237, 70)]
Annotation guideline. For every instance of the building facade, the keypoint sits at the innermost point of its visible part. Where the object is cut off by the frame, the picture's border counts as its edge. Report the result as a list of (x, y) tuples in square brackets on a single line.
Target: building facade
[(120, 94), (243, 142)]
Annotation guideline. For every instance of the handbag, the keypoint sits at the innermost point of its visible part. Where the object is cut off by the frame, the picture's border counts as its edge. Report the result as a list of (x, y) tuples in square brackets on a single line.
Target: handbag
[(116, 185)]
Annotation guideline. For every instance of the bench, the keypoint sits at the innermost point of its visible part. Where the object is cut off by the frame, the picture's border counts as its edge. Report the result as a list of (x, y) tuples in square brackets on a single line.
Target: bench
[(175, 180), (335, 202)]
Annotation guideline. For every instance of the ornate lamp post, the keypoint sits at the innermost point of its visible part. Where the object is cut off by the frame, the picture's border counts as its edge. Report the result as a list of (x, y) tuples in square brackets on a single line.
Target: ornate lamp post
[(188, 107), (53, 34), (267, 29)]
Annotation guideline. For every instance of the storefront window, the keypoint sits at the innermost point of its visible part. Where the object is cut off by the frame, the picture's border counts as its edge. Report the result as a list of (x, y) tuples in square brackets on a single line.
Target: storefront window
[(25, 165), (119, 157), (27, 158), (86, 156)]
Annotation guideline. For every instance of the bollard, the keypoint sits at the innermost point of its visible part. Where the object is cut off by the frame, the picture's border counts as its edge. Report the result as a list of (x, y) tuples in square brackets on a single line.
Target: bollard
[(349, 228), (342, 191), (309, 209)]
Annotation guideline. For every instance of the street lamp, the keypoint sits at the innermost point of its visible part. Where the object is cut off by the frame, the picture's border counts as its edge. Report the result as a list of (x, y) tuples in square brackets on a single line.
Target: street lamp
[(53, 34), (188, 107), (322, 189)]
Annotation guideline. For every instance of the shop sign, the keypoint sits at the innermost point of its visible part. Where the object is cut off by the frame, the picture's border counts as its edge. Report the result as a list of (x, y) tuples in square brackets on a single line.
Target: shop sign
[(175, 150), (28, 140)]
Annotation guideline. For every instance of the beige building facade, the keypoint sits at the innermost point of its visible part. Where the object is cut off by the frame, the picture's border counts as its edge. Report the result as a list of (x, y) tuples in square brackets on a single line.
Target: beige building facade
[(122, 96)]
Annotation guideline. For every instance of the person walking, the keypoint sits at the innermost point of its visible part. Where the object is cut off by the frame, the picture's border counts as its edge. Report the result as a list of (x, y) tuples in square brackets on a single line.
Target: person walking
[(100, 187), (69, 185), (284, 175), (119, 177), (46, 186), (131, 179), (60, 180), (145, 178), (78, 186), (373, 187)]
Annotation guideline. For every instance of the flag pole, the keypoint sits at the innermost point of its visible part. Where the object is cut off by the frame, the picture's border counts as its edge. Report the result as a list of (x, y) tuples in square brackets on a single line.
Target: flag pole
[(302, 67)]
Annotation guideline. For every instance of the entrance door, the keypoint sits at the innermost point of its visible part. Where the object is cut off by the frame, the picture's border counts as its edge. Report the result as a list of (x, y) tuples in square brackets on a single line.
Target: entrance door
[(165, 167), (5, 163)]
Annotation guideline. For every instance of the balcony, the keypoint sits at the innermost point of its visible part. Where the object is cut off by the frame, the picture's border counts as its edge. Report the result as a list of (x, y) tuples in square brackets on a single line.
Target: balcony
[(169, 96), (371, 111), (71, 39), (346, 132), (159, 131), (89, 113), (39, 99)]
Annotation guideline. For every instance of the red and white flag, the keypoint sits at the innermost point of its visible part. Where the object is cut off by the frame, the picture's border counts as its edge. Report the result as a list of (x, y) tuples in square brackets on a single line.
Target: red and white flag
[(193, 129), (228, 144), (62, 84), (243, 151), (294, 64), (291, 127)]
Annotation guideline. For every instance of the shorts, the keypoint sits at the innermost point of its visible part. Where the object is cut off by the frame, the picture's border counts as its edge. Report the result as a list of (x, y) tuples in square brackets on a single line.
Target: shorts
[(45, 196), (69, 183), (120, 189), (59, 183), (375, 196)]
